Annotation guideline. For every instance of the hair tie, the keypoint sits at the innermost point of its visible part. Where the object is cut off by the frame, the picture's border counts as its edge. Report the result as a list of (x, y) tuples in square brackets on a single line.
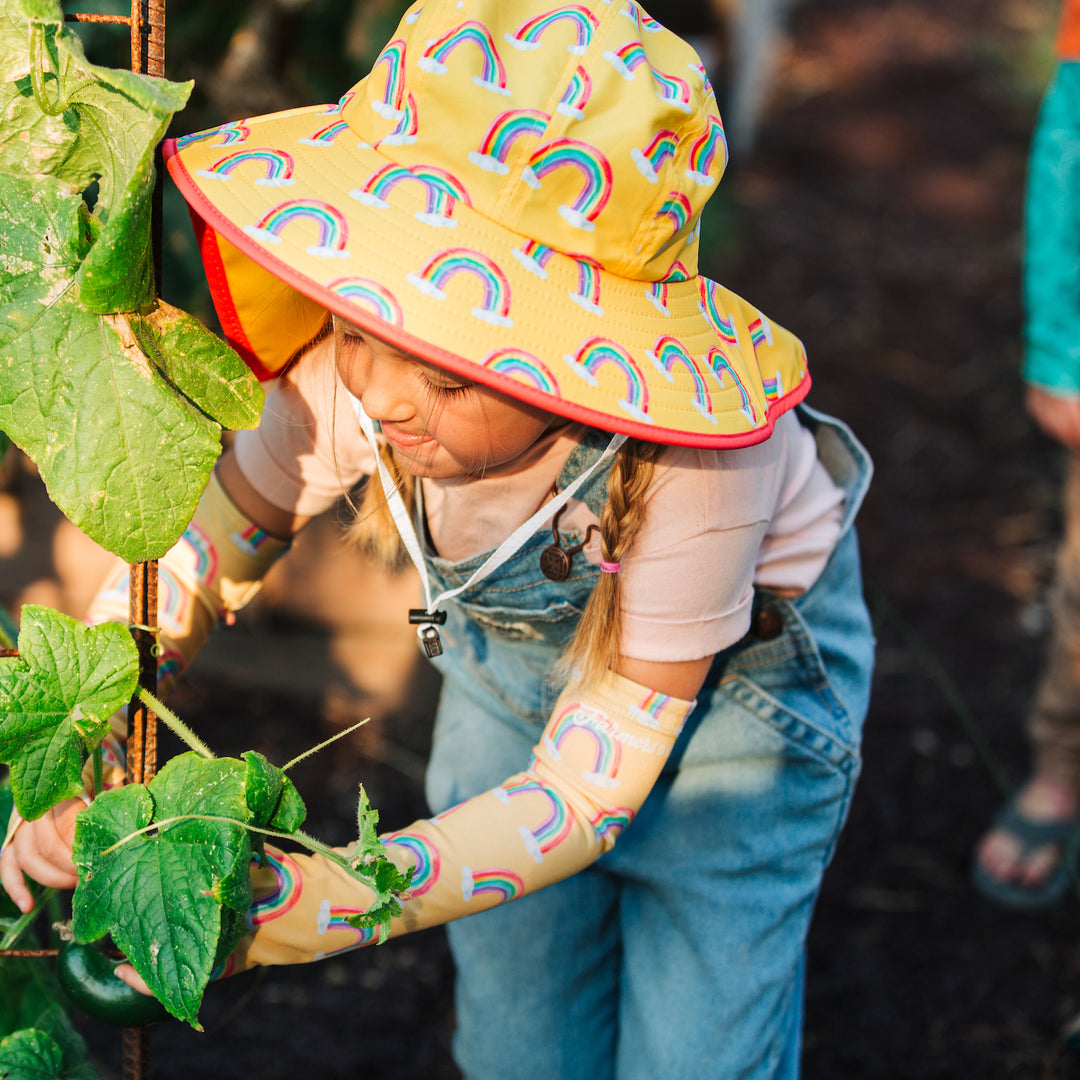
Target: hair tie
[(609, 567)]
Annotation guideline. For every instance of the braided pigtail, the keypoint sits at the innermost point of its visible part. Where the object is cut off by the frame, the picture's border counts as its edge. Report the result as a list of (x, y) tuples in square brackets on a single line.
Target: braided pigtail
[(595, 645), (373, 527)]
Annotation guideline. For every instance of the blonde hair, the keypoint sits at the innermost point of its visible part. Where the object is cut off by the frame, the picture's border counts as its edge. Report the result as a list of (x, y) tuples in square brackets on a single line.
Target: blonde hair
[(373, 528), (594, 648)]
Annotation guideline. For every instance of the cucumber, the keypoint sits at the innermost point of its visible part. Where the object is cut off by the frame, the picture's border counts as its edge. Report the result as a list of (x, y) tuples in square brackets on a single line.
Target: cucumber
[(88, 978)]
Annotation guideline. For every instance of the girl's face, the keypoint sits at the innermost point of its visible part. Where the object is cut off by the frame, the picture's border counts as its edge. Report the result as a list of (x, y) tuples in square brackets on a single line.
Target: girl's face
[(439, 424)]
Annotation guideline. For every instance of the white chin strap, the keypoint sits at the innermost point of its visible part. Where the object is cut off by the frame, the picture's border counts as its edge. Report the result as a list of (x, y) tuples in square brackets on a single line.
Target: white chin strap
[(427, 618)]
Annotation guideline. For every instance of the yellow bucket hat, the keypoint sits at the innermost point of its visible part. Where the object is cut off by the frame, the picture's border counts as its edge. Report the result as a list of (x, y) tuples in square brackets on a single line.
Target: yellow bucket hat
[(512, 193)]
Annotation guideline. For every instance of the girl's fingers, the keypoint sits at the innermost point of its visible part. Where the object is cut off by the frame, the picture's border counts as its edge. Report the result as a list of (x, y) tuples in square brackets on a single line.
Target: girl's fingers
[(14, 884), (126, 973)]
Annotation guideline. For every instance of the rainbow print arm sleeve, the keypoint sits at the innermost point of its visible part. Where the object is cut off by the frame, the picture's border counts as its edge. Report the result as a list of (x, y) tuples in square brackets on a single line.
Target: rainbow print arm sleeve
[(213, 570), (595, 763)]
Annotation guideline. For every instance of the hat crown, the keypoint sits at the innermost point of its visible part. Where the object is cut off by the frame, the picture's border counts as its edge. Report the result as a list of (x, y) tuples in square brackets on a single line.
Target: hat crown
[(588, 129)]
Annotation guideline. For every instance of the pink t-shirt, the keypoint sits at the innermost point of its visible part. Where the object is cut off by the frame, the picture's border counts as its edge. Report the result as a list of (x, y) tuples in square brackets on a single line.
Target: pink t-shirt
[(718, 522)]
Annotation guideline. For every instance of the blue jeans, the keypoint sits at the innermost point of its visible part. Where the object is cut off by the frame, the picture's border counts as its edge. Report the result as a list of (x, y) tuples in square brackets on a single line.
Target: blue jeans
[(680, 953)]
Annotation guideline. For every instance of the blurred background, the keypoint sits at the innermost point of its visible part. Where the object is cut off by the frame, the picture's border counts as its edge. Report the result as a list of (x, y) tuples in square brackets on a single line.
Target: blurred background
[(873, 205)]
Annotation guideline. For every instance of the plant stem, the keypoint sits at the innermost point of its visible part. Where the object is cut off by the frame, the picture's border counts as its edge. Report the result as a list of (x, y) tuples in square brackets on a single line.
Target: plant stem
[(174, 723), (302, 838), (98, 781), (324, 744), (19, 927)]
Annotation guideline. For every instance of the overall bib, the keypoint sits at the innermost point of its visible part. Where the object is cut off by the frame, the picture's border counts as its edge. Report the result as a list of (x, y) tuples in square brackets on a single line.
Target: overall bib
[(680, 953)]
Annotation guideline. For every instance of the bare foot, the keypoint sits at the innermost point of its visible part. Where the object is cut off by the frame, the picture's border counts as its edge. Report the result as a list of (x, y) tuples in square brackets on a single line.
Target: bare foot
[(1002, 854)]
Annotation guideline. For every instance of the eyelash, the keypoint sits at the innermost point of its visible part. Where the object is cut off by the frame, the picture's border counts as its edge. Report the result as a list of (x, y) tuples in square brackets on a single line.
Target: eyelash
[(436, 389), (447, 391)]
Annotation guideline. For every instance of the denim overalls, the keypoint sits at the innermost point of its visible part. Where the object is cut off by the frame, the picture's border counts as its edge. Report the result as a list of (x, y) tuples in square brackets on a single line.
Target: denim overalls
[(680, 953)]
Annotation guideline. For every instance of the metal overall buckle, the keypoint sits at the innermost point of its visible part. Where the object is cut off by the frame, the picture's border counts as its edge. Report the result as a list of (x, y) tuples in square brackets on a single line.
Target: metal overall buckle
[(555, 560)]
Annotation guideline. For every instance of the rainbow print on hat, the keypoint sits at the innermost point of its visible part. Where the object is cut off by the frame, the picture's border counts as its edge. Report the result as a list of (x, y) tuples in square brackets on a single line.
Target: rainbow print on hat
[(598, 353), (471, 34), (576, 96), (581, 20), (643, 22), (446, 265), (588, 289), (443, 192), (508, 127), (670, 88), (721, 368), (595, 172), (276, 165), (326, 135), (230, 134), (665, 355), (407, 126), (677, 210), (523, 366), (333, 229), (704, 153), (390, 63), (650, 159), (534, 256), (371, 294), (571, 184)]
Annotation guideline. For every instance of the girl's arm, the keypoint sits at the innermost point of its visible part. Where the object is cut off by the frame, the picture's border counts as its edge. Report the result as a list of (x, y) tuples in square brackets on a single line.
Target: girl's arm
[(593, 767), (283, 524)]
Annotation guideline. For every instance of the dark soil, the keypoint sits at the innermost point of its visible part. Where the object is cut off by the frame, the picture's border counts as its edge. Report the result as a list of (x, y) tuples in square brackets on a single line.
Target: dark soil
[(879, 217)]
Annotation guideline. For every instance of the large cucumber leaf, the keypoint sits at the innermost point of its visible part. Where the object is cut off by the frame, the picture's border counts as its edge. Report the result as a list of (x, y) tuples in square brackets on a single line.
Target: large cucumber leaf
[(91, 122), (160, 893), (125, 446), (125, 443), (56, 698)]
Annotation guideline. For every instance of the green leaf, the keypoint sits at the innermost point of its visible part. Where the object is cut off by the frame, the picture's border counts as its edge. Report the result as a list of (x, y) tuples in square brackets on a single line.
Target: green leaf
[(81, 121), (56, 698), (31, 1055), (291, 811), (54, 1022), (160, 894), (271, 796), (367, 862), (368, 844), (122, 454), (200, 365)]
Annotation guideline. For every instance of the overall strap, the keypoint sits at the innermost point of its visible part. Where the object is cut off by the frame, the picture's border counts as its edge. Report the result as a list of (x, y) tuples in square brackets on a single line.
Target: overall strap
[(426, 618), (592, 445)]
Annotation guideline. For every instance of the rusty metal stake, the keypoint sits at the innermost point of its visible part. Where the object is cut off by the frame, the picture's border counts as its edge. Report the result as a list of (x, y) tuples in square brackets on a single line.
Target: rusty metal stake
[(147, 58)]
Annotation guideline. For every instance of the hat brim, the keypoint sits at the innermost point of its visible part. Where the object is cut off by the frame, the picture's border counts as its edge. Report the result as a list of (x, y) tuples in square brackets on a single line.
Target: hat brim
[(678, 362)]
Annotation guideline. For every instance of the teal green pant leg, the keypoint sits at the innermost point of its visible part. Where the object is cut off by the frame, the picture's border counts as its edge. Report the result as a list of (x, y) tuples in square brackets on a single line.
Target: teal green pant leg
[(1052, 240)]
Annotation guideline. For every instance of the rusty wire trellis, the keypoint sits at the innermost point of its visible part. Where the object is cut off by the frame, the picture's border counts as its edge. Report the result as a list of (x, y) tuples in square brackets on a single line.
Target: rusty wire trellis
[(147, 25)]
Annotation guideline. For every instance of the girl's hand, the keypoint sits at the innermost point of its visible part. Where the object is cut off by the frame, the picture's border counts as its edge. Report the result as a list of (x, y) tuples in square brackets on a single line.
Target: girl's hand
[(41, 849), (1059, 417)]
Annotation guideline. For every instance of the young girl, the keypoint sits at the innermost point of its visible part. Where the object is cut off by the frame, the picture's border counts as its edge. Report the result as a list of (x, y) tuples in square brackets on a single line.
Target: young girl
[(641, 583)]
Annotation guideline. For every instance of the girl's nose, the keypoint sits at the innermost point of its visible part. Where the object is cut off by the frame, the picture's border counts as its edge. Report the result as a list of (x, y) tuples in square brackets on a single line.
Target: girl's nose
[(385, 391)]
